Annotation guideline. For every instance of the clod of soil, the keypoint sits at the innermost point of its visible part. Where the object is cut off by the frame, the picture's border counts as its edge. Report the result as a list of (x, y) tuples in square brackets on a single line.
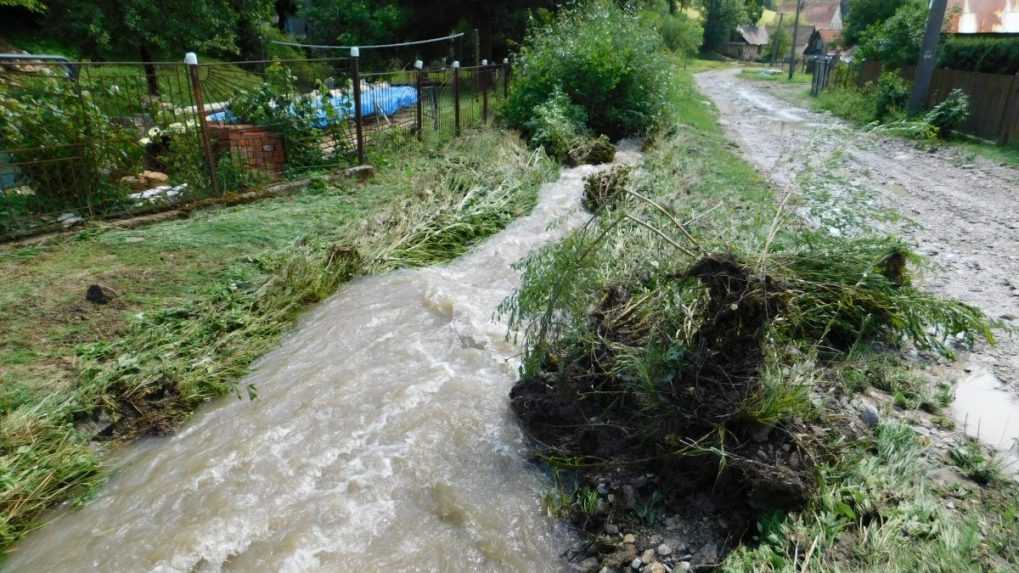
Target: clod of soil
[(699, 445), (603, 188), (98, 294)]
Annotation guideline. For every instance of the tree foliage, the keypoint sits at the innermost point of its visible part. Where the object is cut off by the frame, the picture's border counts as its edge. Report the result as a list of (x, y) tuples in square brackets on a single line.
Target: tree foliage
[(865, 13), (897, 41), (720, 18)]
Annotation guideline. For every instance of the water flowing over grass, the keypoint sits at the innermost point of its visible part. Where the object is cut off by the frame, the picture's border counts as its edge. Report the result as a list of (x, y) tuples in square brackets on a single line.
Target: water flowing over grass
[(217, 292)]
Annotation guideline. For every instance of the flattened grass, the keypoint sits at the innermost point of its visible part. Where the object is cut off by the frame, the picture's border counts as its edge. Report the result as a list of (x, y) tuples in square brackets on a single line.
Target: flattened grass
[(196, 301)]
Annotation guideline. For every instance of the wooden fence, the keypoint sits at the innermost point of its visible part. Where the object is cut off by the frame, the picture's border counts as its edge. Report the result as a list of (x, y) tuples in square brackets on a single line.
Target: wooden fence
[(994, 98)]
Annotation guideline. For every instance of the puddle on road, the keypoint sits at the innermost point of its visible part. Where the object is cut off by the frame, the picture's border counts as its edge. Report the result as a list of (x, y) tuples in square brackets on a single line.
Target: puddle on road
[(989, 412)]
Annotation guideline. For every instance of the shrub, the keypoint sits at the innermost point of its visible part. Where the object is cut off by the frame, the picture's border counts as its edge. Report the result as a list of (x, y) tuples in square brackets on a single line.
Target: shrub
[(892, 94), (950, 113), (63, 142), (681, 34), (604, 60), (988, 55), (558, 125), (896, 41), (277, 105)]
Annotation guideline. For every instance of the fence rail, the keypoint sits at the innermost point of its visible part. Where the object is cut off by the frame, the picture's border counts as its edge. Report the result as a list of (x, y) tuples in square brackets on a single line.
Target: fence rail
[(116, 139), (994, 98)]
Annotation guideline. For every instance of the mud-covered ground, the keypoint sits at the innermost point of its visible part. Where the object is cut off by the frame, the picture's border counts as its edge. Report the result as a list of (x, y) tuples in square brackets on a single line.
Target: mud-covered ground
[(961, 212)]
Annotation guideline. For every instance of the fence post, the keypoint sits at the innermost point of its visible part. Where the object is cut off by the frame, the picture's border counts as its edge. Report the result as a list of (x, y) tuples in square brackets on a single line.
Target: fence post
[(456, 98), (355, 57), (486, 81), (419, 66), (505, 77), (191, 60), (1010, 119)]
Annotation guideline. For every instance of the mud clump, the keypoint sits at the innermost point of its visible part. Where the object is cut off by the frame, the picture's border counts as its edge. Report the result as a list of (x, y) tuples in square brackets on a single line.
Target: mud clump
[(592, 151), (604, 188), (695, 455)]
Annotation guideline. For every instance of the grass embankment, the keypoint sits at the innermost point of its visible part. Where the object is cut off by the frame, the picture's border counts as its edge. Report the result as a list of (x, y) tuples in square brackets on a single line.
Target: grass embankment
[(194, 302), (698, 330), (858, 107)]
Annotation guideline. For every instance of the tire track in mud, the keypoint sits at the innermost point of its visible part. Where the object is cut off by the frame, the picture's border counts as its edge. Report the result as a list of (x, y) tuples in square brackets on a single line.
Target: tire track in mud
[(962, 214)]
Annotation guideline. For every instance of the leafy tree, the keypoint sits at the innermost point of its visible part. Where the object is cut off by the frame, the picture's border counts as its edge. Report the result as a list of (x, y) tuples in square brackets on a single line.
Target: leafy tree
[(897, 41), (681, 33), (865, 13), (754, 9), (720, 18), (106, 28), (780, 43), (36, 6), (352, 22)]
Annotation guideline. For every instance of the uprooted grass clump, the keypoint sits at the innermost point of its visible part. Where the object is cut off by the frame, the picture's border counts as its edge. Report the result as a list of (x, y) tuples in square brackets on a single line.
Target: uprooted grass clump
[(169, 361), (681, 332)]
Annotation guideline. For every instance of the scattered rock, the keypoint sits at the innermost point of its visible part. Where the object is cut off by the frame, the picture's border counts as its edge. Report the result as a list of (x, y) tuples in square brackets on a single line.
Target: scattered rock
[(870, 416), (683, 566), (611, 529), (664, 550), (155, 178), (361, 172), (657, 568), (589, 565), (630, 538), (69, 220), (636, 563), (648, 556)]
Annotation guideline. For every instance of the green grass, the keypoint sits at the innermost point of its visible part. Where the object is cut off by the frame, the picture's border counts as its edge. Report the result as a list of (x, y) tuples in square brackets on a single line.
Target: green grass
[(196, 301), (779, 74), (857, 106), (875, 507)]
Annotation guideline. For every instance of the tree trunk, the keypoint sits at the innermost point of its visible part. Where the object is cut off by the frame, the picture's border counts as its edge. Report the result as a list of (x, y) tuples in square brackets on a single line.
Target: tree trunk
[(673, 6), (150, 71)]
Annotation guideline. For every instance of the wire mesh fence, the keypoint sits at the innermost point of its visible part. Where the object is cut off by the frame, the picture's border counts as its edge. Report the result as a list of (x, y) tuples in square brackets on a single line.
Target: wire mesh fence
[(86, 140)]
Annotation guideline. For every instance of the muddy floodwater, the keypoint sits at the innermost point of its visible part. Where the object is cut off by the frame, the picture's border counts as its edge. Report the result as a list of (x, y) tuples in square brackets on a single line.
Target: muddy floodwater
[(381, 440)]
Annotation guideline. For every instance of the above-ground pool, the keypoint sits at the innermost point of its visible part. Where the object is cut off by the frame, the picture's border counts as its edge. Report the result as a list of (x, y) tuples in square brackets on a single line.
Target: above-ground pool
[(385, 100)]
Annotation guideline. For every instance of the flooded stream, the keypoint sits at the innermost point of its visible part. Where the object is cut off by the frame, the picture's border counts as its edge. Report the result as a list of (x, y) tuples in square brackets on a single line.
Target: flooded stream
[(381, 440)]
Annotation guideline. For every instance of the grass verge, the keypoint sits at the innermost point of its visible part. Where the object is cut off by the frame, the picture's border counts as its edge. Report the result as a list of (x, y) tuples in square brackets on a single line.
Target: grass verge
[(699, 336), (192, 303)]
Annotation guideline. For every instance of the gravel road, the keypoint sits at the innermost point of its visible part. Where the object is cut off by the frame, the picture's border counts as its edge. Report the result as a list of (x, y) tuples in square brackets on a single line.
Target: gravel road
[(961, 212)]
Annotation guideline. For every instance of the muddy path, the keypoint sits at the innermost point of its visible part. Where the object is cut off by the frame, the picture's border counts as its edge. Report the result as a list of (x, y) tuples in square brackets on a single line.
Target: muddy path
[(961, 212)]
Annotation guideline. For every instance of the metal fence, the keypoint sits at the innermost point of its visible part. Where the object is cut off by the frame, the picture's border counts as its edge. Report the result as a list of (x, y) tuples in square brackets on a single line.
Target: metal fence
[(80, 140)]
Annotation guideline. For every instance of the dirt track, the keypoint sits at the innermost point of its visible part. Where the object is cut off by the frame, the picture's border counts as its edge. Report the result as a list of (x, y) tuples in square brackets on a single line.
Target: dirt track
[(961, 212)]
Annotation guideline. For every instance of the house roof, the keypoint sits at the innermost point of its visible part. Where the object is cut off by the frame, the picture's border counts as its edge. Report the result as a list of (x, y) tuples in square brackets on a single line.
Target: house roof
[(830, 36), (821, 14), (983, 16), (754, 35), (803, 34)]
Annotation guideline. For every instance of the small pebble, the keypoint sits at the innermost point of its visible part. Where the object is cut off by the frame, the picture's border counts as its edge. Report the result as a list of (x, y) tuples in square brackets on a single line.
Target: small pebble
[(664, 549), (636, 563)]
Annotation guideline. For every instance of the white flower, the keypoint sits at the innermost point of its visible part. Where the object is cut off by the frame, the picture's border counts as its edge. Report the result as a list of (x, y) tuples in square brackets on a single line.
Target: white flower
[(176, 127), (155, 132), (144, 142)]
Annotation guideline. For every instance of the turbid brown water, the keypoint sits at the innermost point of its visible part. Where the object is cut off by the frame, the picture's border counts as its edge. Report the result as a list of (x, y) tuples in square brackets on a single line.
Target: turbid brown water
[(381, 440)]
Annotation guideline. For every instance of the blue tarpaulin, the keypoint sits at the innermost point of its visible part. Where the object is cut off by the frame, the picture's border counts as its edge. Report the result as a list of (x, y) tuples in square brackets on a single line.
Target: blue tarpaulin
[(387, 100)]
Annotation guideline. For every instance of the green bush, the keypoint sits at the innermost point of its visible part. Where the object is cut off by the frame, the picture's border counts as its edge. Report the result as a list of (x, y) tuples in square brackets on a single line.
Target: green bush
[(604, 60), (950, 113), (896, 41), (892, 94), (988, 55), (681, 34), (64, 142), (558, 125), (277, 105)]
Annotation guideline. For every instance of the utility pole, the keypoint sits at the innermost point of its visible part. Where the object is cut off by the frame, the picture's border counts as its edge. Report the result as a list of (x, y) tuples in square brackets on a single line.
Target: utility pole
[(796, 28), (928, 56)]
